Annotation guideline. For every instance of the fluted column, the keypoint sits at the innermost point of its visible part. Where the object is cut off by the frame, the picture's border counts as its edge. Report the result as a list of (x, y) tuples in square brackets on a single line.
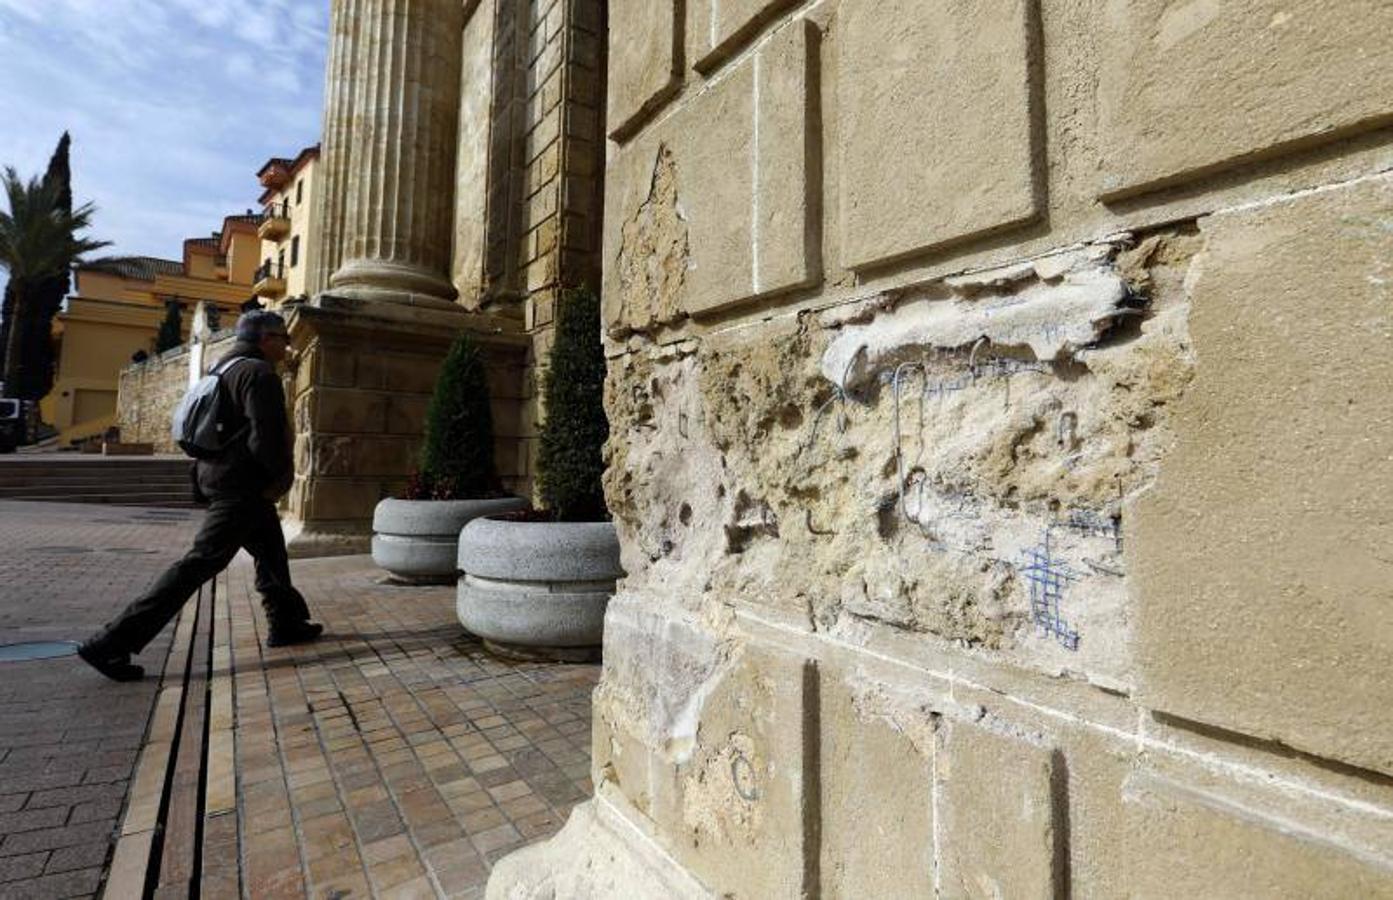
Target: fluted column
[(339, 122), (402, 80)]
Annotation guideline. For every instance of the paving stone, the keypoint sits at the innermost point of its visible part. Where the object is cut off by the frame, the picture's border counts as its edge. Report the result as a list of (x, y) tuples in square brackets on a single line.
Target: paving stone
[(16, 868)]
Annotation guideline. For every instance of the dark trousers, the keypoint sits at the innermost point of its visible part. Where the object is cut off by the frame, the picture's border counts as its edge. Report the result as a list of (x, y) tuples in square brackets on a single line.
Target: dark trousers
[(231, 523)]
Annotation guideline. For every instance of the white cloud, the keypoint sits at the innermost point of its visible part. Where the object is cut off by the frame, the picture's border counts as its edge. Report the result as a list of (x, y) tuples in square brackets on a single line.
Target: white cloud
[(172, 104)]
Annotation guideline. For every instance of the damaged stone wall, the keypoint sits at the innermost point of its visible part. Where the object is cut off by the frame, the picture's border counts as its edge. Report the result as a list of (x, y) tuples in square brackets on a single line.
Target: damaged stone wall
[(1002, 479)]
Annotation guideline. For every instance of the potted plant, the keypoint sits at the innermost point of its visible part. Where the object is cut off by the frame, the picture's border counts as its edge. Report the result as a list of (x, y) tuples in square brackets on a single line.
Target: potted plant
[(535, 584), (414, 537)]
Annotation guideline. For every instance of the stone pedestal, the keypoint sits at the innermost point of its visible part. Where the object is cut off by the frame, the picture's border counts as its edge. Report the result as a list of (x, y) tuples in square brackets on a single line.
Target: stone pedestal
[(364, 377)]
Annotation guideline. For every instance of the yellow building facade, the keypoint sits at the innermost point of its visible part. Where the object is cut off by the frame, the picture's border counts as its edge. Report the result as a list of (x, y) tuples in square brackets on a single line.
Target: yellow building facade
[(288, 229), (116, 310)]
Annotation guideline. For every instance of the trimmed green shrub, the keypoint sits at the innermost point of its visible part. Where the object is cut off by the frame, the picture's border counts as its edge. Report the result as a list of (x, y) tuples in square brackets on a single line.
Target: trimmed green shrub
[(457, 457), (571, 462)]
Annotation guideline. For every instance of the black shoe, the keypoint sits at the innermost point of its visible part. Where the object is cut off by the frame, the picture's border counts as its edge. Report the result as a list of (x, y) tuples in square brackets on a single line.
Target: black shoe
[(114, 665), (299, 633)]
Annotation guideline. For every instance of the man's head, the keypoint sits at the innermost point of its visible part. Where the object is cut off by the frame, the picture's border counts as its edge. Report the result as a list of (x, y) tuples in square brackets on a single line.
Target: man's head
[(266, 330)]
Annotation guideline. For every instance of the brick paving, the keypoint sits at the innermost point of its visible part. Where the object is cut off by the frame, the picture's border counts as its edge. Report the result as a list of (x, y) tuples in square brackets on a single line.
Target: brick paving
[(68, 737), (394, 757)]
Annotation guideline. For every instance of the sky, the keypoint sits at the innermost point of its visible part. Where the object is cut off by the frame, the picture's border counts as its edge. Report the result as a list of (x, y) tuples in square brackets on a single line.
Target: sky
[(173, 105)]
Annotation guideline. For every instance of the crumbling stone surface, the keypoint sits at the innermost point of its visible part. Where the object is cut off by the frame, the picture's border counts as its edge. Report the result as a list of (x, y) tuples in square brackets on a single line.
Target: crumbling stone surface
[(795, 492)]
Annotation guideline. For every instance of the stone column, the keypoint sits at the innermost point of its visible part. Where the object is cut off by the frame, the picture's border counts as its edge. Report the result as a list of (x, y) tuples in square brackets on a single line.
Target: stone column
[(340, 84), (398, 194)]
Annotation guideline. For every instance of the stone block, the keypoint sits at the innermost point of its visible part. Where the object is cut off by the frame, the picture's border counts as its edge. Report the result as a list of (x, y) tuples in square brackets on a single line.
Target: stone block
[(935, 108), (406, 414), (997, 821), (712, 208), (335, 366), (877, 804), (1186, 88), (1262, 573), (1187, 842), (748, 793), (360, 455), (339, 499), (733, 22), (406, 374), (645, 63), (346, 411)]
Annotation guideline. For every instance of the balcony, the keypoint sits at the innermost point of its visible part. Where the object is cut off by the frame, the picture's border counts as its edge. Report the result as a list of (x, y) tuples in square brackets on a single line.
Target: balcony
[(269, 281), (275, 224), (220, 266)]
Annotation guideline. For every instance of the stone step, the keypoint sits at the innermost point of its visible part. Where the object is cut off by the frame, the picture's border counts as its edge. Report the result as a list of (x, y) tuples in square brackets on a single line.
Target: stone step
[(146, 481), (175, 499), (86, 485)]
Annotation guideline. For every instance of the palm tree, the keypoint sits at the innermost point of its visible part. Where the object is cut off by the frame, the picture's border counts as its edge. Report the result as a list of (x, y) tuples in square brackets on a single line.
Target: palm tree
[(39, 240)]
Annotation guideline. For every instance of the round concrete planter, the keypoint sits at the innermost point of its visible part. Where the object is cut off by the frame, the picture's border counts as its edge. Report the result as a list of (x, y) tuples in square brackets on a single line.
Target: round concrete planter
[(416, 540), (537, 590)]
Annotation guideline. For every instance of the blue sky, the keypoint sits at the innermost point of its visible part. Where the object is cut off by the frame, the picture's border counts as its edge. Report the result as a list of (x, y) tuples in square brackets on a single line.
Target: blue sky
[(172, 104)]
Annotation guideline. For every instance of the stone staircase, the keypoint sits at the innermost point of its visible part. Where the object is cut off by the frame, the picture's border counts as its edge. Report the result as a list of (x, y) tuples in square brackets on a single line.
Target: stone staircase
[(127, 481)]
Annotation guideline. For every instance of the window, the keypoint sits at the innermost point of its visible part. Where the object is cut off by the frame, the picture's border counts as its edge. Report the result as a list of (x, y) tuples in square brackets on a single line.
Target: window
[(299, 193), (294, 251), (280, 264)]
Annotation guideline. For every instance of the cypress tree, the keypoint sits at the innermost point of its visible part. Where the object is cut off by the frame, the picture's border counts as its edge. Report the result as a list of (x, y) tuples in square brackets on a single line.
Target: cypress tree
[(571, 463), (171, 329), (51, 292), (457, 456)]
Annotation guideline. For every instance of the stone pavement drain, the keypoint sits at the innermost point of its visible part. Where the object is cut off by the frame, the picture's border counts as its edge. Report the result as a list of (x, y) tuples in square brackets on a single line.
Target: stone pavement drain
[(392, 758)]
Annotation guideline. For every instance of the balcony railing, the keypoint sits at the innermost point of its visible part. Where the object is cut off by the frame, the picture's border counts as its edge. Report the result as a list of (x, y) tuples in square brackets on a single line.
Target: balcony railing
[(275, 222), (269, 281)]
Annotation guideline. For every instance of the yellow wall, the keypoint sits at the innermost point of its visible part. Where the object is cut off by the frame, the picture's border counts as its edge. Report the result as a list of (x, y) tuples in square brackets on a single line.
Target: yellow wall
[(243, 256), (302, 225), (109, 320), (203, 265)]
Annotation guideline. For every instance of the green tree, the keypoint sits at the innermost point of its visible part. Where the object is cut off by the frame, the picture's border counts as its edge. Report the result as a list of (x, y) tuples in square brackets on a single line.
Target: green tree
[(171, 332), (40, 241), (571, 463), (457, 456)]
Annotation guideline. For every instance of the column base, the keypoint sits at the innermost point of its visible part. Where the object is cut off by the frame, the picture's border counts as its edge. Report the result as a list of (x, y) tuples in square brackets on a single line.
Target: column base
[(317, 540), (390, 282), (602, 852)]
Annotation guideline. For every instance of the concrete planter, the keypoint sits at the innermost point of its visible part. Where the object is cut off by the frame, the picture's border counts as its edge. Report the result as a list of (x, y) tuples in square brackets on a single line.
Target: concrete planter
[(538, 589), (416, 540)]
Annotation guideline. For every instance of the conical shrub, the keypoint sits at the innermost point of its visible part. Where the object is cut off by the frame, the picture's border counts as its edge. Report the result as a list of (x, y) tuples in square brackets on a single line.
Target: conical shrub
[(571, 462), (457, 456)]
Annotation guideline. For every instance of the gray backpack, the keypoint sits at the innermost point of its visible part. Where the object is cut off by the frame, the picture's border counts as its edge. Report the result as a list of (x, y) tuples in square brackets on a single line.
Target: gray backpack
[(203, 420)]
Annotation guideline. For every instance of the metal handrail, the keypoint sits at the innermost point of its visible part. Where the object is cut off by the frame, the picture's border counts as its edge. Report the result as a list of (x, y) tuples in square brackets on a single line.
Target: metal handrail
[(269, 269)]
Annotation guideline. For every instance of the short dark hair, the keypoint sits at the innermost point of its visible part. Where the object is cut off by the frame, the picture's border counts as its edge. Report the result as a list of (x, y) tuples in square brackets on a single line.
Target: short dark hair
[(254, 325)]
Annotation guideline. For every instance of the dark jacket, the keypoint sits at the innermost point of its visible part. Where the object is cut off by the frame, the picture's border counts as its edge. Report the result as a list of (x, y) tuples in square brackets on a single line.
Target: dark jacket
[(259, 462)]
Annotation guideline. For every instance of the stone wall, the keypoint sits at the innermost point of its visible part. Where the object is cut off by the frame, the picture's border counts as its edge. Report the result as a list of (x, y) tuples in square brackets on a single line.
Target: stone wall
[(529, 186), (149, 391), (1000, 452)]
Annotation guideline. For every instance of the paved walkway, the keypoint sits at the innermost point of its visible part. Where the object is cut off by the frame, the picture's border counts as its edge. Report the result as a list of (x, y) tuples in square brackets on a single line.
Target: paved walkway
[(68, 744), (393, 758)]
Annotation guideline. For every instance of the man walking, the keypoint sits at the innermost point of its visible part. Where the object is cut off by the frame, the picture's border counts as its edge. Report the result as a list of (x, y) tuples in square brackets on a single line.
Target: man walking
[(241, 487)]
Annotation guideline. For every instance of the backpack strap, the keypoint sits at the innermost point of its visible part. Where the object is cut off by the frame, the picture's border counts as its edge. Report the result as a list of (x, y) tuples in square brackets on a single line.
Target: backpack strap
[(224, 366)]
